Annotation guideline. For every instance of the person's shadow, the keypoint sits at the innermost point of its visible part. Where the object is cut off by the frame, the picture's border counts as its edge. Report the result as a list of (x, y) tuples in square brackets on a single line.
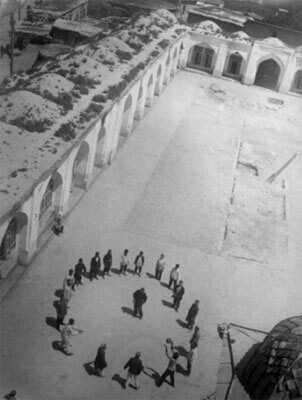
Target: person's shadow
[(57, 345), (150, 275), (167, 304), (181, 351), (90, 368), (51, 321), (127, 310), (180, 370), (153, 374), (120, 380), (164, 285), (115, 271), (182, 323), (59, 293)]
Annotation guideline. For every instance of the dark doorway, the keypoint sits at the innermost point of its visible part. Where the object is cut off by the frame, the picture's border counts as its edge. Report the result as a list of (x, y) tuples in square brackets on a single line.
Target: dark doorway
[(268, 74)]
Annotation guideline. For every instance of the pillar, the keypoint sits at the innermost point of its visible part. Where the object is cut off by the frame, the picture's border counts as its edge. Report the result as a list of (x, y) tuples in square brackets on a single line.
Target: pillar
[(220, 60)]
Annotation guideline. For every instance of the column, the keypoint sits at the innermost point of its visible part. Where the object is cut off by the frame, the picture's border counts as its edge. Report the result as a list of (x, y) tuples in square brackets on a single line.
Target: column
[(220, 61)]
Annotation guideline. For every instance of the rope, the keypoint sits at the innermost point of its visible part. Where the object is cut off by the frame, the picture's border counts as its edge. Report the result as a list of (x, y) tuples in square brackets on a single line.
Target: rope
[(249, 329)]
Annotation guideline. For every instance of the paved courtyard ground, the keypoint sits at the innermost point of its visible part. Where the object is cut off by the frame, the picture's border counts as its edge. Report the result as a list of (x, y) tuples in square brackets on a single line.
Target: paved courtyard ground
[(184, 183)]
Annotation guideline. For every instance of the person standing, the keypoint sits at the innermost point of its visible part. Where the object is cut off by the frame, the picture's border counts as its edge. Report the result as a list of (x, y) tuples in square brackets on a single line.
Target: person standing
[(69, 278), (69, 330), (135, 367), (107, 260), (139, 263), (139, 298), (191, 358), (100, 360), (160, 266), (195, 338), (171, 368), (67, 292), (57, 227), (124, 262), (192, 314), (178, 295), (61, 313), (95, 266), (79, 271), (174, 276)]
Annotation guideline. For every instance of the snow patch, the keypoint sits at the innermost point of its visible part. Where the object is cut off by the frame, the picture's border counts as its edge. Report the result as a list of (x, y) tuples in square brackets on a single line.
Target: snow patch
[(272, 41), (53, 83)]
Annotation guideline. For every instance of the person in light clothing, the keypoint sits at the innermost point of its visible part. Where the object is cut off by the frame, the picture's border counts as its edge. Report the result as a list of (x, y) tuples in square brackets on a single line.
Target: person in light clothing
[(69, 330), (191, 358), (124, 262), (174, 277)]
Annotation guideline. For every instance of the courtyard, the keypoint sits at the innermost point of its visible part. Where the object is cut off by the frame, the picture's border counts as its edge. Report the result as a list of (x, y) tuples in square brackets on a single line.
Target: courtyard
[(190, 182)]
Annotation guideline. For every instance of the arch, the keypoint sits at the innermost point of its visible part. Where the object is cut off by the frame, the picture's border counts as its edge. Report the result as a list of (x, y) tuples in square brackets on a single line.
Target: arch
[(158, 80), (269, 72), (127, 117), (233, 65), (51, 201), (297, 82), (140, 104), (98, 161), (201, 56), (150, 91), (80, 166), (15, 237)]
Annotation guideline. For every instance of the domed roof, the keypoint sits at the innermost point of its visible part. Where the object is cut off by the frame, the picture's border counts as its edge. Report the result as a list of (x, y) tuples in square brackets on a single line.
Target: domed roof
[(274, 363), (273, 41), (209, 27)]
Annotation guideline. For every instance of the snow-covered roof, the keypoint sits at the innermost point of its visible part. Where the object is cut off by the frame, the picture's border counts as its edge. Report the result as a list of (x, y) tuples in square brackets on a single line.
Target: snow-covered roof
[(220, 14), (209, 28), (34, 107), (82, 28), (241, 36)]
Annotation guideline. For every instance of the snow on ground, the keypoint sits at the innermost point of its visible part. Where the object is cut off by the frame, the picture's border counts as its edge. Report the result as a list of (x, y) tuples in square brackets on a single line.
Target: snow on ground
[(88, 69), (167, 191), (53, 83)]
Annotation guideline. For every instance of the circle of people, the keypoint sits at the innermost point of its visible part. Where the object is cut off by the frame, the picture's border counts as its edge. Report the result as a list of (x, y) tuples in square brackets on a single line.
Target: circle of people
[(134, 365)]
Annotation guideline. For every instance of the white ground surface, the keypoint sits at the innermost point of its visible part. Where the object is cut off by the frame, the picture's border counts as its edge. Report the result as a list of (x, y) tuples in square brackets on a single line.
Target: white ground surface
[(167, 191)]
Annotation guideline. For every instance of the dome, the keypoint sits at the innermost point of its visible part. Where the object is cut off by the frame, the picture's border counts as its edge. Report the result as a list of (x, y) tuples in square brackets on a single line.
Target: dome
[(209, 26), (273, 41)]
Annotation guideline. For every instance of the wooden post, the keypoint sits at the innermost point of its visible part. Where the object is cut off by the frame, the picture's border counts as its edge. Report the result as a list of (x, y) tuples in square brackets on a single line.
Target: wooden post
[(12, 43)]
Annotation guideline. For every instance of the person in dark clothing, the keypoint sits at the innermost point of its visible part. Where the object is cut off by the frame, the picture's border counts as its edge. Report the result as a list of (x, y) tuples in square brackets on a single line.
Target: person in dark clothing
[(139, 263), (178, 295), (95, 266), (135, 367), (100, 360), (61, 313), (79, 271), (57, 228), (139, 298), (195, 338), (107, 260), (192, 314), (171, 368)]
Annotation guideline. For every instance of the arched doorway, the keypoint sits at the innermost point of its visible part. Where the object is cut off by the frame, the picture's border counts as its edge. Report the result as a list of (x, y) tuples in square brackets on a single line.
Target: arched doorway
[(167, 70), (140, 104), (268, 73), (51, 201), (80, 167), (150, 91), (202, 57), (158, 81), (98, 161), (297, 82), (234, 64), (126, 125), (14, 239)]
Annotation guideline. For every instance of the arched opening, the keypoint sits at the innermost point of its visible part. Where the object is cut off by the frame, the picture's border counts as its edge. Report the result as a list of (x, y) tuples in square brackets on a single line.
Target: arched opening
[(268, 73), (297, 82), (181, 50), (98, 161), (234, 64), (80, 167), (140, 104), (158, 81), (51, 200), (14, 240), (167, 70), (202, 57), (150, 91), (126, 125)]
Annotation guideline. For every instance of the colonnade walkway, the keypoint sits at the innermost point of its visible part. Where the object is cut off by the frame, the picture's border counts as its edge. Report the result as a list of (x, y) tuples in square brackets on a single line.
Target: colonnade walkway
[(168, 191)]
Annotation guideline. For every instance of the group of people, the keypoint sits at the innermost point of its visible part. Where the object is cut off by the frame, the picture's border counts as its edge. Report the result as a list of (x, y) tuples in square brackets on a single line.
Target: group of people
[(134, 365)]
